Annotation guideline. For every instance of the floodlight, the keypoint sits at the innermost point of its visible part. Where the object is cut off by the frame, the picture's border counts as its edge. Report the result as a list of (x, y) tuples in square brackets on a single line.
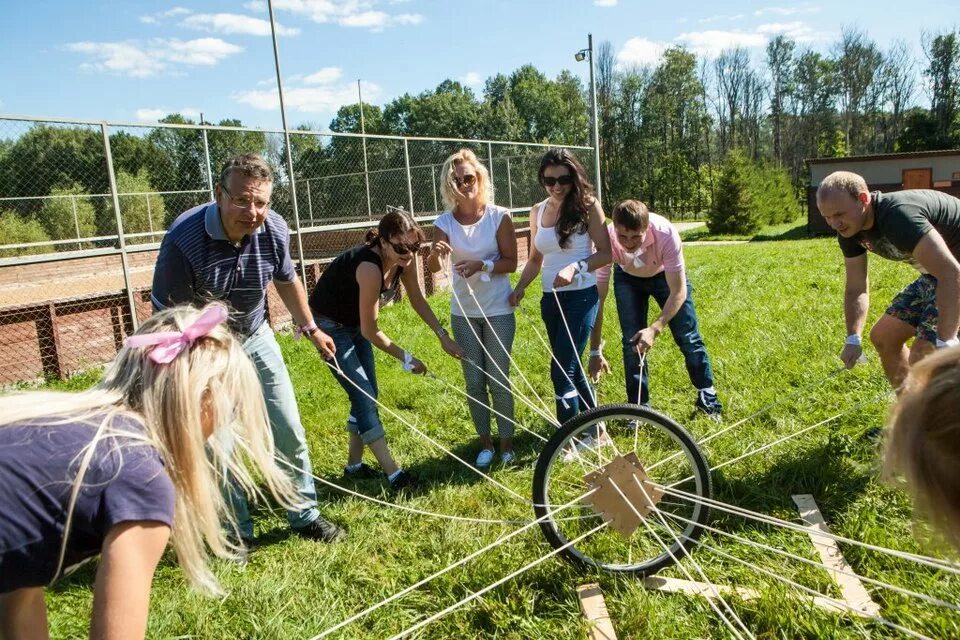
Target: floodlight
[(581, 55)]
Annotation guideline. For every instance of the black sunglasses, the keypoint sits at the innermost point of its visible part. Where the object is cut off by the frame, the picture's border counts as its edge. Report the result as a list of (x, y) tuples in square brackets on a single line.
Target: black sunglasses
[(403, 248), (466, 181), (562, 180)]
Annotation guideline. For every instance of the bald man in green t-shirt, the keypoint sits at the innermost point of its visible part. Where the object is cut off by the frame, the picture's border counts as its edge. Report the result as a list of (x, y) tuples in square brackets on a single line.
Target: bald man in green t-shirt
[(919, 226)]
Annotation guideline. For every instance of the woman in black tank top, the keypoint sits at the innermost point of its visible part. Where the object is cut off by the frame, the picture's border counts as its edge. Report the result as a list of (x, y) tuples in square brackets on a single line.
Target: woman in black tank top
[(346, 304)]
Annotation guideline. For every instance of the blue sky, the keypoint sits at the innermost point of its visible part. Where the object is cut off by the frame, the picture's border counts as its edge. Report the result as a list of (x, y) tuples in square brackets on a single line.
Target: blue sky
[(135, 60)]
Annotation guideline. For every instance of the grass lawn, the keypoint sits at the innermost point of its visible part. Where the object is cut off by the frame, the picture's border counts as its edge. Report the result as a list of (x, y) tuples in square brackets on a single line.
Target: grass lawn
[(771, 315), (796, 230)]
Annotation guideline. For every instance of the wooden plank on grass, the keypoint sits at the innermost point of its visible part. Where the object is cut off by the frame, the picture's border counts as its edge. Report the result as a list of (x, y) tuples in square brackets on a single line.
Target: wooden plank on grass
[(853, 591), (595, 611)]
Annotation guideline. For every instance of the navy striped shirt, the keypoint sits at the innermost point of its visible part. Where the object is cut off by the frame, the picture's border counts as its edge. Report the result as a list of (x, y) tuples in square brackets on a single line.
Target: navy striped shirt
[(198, 264)]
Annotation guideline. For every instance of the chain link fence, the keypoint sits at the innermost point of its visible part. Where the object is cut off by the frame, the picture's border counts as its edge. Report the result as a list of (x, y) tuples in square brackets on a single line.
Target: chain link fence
[(84, 206)]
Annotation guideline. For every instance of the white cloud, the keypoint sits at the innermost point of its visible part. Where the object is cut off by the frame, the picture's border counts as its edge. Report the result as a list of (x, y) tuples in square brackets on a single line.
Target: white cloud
[(639, 52), (348, 13), (798, 31), (160, 16), (308, 99), (153, 115), (605, 3), (141, 60), (234, 23), (325, 75), (710, 43), (720, 18), (471, 79), (787, 11), (257, 6)]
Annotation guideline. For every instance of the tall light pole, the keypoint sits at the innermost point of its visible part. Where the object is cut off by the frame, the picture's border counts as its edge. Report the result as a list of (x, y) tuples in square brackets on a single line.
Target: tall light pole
[(594, 121)]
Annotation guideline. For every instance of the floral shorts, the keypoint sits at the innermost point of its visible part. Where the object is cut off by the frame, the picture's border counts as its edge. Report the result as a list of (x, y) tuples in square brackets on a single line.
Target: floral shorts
[(917, 306)]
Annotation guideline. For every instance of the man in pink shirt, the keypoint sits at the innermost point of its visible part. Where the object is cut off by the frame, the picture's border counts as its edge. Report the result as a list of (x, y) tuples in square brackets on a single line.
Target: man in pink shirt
[(648, 261)]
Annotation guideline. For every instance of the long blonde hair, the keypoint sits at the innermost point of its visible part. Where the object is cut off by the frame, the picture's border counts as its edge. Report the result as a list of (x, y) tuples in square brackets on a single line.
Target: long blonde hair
[(924, 440), (448, 188), (213, 375)]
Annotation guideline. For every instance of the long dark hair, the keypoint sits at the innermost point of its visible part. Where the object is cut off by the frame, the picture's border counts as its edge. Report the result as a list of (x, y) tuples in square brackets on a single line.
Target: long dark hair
[(575, 210), (395, 223)]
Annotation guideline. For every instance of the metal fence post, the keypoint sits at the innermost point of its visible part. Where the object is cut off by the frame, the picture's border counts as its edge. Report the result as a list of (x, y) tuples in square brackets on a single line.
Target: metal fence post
[(122, 241), (433, 179), (509, 184), (76, 222), (149, 215), (206, 155), (309, 202), (406, 160), (366, 177), (490, 160)]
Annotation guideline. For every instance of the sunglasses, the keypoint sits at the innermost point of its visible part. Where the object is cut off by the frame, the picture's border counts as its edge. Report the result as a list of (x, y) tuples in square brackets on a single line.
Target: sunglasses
[(403, 248), (562, 180), (466, 181)]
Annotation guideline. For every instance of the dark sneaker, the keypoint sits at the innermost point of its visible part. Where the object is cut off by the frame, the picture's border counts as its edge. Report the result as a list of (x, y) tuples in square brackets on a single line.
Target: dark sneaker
[(402, 481), (873, 434), (321, 530), (365, 472), (709, 403)]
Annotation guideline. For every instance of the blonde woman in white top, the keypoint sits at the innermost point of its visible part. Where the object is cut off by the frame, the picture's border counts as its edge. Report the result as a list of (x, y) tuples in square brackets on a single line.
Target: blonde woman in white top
[(480, 240), (569, 243)]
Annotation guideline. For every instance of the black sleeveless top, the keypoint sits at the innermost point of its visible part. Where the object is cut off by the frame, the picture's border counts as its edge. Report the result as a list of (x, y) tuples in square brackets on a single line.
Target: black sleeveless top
[(337, 294)]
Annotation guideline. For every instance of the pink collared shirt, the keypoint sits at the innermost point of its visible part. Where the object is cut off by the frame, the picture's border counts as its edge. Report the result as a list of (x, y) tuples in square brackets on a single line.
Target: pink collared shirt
[(660, 251)]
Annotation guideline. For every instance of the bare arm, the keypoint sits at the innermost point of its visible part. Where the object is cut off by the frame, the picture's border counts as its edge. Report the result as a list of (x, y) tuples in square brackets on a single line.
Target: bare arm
[(295, 300), (534, 263), (602, 254), (933, 255), (121, 595), (412, 284), (506, 245), (677, 281), (598, 364), (856, 301), (23, 615), (439, 250), (369, 278)]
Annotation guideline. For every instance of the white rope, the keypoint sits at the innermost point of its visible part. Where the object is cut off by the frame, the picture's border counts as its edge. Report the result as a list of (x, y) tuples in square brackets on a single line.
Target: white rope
[(400, 507), (573, 345), (814, 563), (676, 560), (447, 569), (425, 436), (814, 592), (516, 367), (793, 394), (933, 563), (406, 632), (540, 412), (490, 407)]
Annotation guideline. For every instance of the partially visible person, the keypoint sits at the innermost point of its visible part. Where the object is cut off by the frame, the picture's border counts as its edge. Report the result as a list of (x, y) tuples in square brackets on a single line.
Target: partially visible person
[(569, 244), (919, 226), (346, 305), (923, 444), (230, 250), (479, 238), (648, 262), (122, 468)]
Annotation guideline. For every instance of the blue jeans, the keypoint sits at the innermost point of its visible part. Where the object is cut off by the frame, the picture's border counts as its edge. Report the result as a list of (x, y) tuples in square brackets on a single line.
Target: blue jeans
[(355, 359), (289, 436), (633, 301), (579, 309)]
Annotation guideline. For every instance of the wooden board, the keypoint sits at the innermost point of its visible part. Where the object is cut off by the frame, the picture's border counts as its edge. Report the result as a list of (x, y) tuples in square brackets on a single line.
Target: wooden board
[(852, 590), (595, 611)]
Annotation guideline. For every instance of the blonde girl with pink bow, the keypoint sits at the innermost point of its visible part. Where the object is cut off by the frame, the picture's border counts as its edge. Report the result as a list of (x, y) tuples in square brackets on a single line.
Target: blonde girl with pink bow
[(124, 468)]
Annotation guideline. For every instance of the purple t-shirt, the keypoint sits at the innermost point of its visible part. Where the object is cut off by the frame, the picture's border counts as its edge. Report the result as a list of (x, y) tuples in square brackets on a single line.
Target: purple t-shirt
[(126, 481)]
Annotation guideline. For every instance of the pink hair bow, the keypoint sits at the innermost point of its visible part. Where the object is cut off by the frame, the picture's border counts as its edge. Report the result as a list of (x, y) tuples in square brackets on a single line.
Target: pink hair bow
[(168, 344)]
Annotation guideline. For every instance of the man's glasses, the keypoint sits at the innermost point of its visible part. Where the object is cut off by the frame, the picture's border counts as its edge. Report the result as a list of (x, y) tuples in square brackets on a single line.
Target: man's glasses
[(403, 248), (562, 180), (244, 202), (466, 181)]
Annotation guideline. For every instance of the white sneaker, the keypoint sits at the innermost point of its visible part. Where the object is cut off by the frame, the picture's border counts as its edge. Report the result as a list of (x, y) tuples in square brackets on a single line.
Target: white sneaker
[(484, 458), (506, 457), (586, 443)]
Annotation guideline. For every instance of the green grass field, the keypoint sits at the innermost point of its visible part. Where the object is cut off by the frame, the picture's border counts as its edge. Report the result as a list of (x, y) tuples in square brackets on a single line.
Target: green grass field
[(771, 315)]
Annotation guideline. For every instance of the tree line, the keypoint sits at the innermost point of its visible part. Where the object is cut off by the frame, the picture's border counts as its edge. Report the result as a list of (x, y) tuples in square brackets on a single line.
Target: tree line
[(671, 133)]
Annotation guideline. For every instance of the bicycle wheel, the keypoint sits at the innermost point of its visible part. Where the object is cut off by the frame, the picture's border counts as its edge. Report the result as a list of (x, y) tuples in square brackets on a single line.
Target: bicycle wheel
[(567, 469)]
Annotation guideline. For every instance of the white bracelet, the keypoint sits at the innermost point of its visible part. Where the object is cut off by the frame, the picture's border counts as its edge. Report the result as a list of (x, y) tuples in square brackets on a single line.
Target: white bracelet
[(583, 267), (407, 361), (943, 344), (487, 266), (853, 339), (599, 350)]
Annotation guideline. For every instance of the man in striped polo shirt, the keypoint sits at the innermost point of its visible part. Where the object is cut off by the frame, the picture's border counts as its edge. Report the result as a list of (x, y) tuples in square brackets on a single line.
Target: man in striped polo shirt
[(229, 250)]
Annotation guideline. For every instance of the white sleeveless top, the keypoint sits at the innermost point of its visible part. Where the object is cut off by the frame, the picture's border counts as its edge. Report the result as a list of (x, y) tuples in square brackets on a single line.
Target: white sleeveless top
[(477, 241), (555, 258)]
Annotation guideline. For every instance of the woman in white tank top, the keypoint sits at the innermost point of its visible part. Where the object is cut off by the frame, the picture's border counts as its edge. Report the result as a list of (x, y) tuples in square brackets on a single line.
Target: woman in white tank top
[(569, 243), (480, 241)]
